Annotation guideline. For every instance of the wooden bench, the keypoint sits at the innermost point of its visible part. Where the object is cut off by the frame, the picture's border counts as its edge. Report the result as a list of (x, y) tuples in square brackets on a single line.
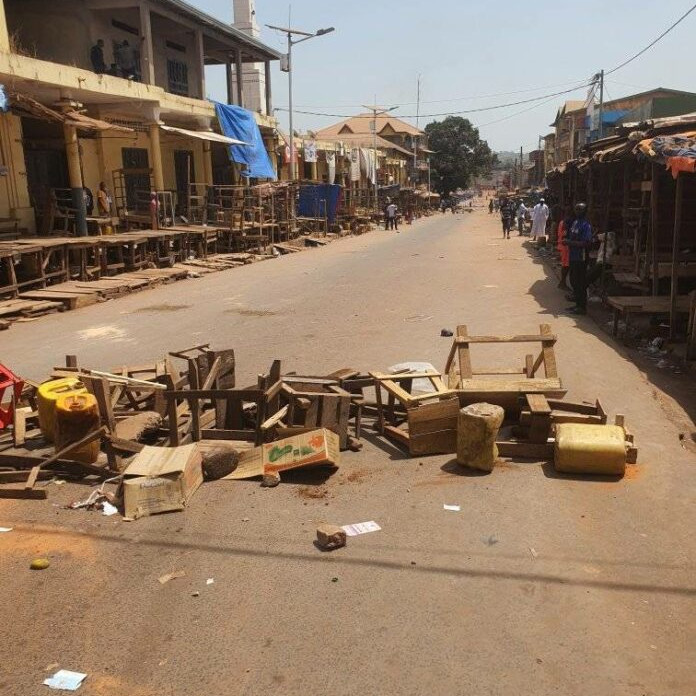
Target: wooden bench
[(503, 386), (627, 306)]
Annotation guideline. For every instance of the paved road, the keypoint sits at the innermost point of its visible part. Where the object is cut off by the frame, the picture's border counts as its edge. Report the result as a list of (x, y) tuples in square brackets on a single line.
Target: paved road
[(540, 585)]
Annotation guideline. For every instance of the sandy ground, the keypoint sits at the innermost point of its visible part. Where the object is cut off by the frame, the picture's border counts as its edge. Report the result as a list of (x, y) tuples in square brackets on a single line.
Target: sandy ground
[(539, 585)]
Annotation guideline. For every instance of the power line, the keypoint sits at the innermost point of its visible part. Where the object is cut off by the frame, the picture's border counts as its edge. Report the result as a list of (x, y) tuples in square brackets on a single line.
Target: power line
[(651, 44), (452, 113)]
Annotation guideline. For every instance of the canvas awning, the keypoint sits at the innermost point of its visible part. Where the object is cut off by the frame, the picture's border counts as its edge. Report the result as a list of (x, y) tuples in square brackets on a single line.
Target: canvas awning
[(203, 135)]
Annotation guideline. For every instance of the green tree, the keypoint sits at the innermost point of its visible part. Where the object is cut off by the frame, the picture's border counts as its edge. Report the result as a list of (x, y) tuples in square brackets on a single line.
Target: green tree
[(459, 153)]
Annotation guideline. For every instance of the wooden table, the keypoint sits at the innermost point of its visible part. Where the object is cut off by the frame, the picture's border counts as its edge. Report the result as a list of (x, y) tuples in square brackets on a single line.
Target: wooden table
[(629, 305)]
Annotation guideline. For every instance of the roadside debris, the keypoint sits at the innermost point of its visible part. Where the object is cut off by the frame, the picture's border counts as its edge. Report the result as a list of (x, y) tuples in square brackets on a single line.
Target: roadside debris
[(65, 680), (5, 529), (270, 479), (451, 508), (330, 537), (39, 564), (361, 528), (164, 579)]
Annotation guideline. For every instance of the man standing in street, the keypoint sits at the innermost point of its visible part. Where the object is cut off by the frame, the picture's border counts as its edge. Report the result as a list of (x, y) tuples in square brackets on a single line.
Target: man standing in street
[(540, 214), (506, 215), (521, 217), (392, 223), (578, 239)]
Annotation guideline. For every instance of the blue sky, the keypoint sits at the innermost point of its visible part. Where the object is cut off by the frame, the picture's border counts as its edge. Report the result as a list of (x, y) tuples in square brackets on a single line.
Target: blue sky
[(467, 51)]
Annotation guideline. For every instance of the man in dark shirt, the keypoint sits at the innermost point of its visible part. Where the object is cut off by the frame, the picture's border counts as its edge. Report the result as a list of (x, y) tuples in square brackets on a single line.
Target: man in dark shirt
[(506, 214), (96, 55), (578, 239)]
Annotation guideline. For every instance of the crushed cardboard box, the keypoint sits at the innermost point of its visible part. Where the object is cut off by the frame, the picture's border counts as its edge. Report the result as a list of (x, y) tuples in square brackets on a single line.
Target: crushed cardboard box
[(161, 479), (314, 448)]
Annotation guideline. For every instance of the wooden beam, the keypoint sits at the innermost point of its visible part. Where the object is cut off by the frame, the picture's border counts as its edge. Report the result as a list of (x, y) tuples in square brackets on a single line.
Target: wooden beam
[(654, 227), (240, 76), (147, 51), (676, 241)]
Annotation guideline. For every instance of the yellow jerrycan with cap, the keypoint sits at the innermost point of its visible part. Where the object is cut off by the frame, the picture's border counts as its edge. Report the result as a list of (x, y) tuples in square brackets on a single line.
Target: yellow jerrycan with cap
[(48, 394)]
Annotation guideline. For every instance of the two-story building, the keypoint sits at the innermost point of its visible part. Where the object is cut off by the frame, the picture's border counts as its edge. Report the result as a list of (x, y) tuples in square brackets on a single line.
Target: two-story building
[(571, 130), (114, 91)]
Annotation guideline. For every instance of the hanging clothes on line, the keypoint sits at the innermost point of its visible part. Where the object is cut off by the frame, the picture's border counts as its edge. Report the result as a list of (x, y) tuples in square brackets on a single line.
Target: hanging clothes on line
[(331, 166), (355, 164)]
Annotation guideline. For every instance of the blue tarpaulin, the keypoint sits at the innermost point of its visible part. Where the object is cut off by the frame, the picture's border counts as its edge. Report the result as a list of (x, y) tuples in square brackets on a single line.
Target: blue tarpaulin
[(240, 123), (319, 200)]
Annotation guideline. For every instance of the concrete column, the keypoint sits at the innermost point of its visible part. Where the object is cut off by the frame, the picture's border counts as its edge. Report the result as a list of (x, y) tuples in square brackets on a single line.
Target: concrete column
[(314, 175), (200, 55), (156, 157), (230, 81), (147, 53), (207, 163), (72, 151), (240, 76), (4, 35), (269, 100)]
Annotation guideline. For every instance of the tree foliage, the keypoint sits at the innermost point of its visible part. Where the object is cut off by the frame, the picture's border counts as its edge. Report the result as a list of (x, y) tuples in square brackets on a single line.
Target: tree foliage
[(459, 153)]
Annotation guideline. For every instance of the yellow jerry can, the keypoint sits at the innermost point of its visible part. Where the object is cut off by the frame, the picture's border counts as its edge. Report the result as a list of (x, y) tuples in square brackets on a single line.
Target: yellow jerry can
[(48, 395), (590, 449), (77, 415)]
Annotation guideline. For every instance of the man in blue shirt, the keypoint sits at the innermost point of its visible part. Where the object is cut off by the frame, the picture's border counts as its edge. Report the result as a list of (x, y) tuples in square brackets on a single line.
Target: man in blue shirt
[(578, 239)]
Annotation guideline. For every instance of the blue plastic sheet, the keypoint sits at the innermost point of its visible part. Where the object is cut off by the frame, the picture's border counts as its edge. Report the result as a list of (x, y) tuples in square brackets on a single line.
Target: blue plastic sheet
[(319, 200), (240, 124)]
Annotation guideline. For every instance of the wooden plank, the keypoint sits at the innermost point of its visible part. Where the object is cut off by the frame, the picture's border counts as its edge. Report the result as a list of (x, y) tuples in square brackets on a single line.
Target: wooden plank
[(524, 338), (538, 403), (550, 367), (463, 352), (438, 442), (529, 365), (247, 435), (522, 386), (397, 434), (206, 394), (23, 493)]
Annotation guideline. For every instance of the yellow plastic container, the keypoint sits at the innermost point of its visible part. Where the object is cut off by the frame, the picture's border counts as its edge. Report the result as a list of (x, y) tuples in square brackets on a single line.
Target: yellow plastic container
[(47, 397), (590, 449), (77, 415)]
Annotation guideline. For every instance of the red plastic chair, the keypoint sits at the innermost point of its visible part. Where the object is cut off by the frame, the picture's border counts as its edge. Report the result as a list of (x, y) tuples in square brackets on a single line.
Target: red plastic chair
[(11, 381)]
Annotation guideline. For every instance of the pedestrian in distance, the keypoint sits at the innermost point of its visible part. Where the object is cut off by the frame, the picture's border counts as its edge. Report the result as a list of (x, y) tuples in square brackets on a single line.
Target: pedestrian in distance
[(392, 222), (564, 225), (96, 56), (521, 217), (506, 214), (578, 239), (540, 214), (490, 207), (103, 200)]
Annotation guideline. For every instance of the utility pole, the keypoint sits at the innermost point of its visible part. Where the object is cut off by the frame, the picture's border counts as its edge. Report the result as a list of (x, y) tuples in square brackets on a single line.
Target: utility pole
[(601, 104), (373, 127), (521, 167), (415, 148)]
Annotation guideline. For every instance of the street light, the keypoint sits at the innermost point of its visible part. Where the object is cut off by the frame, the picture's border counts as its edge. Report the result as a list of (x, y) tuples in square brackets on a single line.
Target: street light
[(306, 36), (376, 112)]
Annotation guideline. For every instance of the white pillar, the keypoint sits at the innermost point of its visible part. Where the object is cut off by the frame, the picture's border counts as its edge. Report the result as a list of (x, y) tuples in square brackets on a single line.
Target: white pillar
[(148, 53), (200, 55)]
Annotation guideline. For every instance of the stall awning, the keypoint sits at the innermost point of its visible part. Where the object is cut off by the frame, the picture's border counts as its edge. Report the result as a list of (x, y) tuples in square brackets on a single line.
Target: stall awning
[(203, 135)]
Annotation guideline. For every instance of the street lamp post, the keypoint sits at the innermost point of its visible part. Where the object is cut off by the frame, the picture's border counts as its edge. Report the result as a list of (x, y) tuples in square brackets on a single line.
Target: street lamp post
[(306, 36)]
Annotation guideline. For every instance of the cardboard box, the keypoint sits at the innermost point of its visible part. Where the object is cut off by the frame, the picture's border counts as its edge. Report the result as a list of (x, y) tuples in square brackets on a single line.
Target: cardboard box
[(161, 479), (314, 448)]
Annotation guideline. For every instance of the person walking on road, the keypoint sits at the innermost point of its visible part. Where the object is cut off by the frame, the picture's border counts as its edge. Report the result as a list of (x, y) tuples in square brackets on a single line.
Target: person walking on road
[(540, 214), (391, 212), (578, 239), (506, 215), (521, 217), (490, 207)]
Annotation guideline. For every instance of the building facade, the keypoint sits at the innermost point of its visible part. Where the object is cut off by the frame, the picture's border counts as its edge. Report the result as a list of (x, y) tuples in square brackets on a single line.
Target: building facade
[(114, 91)]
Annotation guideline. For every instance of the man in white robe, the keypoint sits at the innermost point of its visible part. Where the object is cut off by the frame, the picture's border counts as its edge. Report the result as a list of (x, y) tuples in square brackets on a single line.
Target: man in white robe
[(540, 214)]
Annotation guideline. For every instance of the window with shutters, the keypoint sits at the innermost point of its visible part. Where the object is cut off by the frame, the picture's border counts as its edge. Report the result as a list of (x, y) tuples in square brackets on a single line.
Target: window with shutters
[(177, 77)]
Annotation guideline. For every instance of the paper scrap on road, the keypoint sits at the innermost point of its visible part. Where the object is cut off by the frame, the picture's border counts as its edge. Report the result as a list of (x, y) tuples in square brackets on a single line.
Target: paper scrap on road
[(108, 509), (5, 529), (533, 552), (65, 680), (164, 579), (361, 528), (452, 508), (210, 581)]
